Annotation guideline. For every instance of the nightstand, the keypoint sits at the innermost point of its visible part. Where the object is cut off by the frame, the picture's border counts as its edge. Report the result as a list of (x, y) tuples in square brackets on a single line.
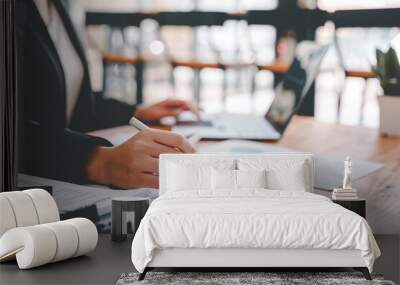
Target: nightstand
[(126, 214), (358, 206)]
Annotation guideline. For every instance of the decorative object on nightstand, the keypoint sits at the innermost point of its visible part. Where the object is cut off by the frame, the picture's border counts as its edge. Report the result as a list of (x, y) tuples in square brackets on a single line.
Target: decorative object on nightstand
[(346, 192), (357, 206), (127, 212)]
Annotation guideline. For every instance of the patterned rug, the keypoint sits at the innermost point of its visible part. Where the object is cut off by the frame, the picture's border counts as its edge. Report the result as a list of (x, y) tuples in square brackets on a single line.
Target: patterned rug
[(268, 278)]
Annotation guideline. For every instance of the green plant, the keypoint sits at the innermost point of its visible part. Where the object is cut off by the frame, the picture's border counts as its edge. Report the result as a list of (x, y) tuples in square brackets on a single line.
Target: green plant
[(387, 69)]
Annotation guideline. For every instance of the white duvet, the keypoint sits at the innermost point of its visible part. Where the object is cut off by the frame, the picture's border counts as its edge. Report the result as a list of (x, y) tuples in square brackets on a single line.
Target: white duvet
[(250, 219)]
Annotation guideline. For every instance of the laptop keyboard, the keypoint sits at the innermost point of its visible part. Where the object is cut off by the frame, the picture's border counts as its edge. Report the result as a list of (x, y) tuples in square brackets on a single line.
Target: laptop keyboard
[(245, 126), (228, 125)]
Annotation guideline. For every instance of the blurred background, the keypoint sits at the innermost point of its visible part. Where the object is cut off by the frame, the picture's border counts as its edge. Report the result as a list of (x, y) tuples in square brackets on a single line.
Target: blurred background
[(228, 55)]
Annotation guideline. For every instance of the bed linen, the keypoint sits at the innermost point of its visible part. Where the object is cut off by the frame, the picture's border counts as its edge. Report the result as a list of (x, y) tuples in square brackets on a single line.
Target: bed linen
[(251, 218)]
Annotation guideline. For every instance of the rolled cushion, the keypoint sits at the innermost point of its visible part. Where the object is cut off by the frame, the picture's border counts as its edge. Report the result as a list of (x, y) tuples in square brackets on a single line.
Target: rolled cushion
[(87, 235), (26, 208), (23, 208), (66, 238), (7, 218), (40, 244), (32, 246), (46, 207)]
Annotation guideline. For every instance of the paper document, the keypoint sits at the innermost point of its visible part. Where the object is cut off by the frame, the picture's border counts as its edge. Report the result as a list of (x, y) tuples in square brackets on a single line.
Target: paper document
[(328, 171), (116, 135), (71, 197)]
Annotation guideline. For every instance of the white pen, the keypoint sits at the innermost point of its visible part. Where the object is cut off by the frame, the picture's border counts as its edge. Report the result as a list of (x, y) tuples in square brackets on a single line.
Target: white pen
[(193, 139), (138, 124)]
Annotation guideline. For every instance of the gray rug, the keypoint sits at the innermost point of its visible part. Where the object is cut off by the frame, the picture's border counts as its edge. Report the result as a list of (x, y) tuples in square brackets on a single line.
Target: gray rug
[(269, 278)]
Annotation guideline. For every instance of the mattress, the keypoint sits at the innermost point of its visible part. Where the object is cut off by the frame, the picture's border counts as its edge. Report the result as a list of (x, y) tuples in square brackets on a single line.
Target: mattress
[(251, 219)]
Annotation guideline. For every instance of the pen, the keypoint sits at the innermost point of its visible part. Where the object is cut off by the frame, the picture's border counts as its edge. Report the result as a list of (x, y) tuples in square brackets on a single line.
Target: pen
[(137, 124), (193, 139)]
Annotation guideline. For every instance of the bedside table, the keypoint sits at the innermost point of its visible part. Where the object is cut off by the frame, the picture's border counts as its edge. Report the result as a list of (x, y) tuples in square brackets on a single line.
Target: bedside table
[(357, 206)]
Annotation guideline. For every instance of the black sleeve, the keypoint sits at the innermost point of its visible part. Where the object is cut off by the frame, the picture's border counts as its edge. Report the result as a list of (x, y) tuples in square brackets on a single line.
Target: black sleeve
[(43, 150), (61, 155), (111, 113)]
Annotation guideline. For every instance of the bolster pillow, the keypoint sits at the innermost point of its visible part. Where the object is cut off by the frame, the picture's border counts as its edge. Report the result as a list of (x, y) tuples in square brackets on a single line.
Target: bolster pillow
[(26, 208), (41, 244)]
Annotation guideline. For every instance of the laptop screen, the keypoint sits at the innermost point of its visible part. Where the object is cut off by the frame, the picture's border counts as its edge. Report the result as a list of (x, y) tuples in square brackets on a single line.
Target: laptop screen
[(290, 92)]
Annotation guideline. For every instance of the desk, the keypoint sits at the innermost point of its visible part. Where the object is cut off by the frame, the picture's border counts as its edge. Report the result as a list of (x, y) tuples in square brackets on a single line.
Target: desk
[(381, 189)]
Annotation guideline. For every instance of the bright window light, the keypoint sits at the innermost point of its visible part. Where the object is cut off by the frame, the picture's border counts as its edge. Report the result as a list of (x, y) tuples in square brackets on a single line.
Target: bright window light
[(156, 47)]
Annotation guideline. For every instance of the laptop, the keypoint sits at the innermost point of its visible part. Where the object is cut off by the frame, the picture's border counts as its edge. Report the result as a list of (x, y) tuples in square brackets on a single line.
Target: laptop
[(289, 95)]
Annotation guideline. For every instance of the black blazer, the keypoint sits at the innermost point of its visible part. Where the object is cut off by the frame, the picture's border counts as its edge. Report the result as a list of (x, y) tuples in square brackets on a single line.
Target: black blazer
[(47, 146)]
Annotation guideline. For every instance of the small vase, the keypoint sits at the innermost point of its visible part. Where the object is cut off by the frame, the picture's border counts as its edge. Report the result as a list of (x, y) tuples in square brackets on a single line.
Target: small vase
[(389, 117)]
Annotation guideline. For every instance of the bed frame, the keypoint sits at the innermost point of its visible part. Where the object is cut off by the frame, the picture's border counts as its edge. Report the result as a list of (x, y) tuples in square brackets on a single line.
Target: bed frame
[(242, 259), (246, 259)]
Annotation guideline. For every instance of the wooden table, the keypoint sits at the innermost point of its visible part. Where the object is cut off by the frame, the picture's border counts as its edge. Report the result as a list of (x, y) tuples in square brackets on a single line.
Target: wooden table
[(382, 188), (382, 191)]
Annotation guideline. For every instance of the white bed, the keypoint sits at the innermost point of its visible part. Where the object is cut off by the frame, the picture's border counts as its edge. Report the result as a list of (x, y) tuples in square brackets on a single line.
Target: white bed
[(202, 219)]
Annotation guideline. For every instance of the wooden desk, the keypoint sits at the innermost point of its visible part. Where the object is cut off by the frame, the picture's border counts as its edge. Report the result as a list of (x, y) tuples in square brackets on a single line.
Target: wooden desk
[(381, 189)]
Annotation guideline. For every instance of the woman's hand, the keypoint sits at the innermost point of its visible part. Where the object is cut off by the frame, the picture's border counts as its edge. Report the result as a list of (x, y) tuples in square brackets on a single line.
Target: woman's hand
[(169, 107), (135, 163)]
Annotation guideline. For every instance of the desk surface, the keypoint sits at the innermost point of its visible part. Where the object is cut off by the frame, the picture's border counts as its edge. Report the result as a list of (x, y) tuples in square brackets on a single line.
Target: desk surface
[(382, 188), (330, 139)]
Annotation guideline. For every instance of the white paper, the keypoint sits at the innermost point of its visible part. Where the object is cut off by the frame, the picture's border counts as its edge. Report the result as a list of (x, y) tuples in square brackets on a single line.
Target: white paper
[(70, 197), (328, 171)]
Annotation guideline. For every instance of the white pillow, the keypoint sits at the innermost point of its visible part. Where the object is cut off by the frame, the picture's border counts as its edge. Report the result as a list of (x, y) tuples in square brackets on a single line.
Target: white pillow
[(227, 179), (251, 178), (223, 179), (293, 179), (282, 174), (183, 177)]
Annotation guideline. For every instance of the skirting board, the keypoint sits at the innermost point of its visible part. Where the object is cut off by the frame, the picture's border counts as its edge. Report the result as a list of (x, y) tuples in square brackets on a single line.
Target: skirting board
[(233, 257)]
